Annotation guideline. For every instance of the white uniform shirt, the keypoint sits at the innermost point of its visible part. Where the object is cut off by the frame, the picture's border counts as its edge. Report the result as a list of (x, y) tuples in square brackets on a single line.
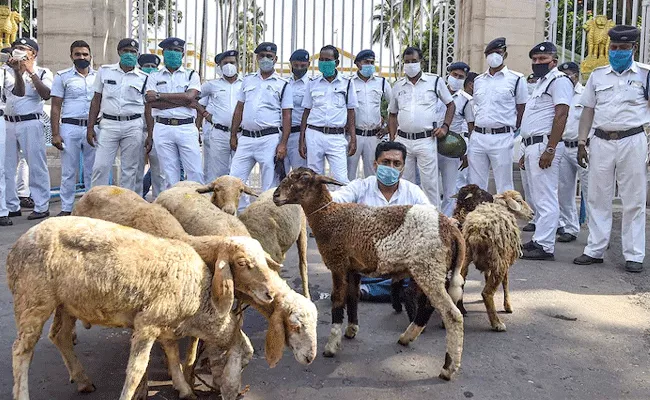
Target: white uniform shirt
[(31, 102), (219, 97), (76, 91), (264, 101), (122, 92), (496, 98), (180, 81), (573, 120), (7, 82), (369, 94), (366, 191), (553, 89), (464, 112), (618, 99), (416, 105), (327, 101), (299, 88)]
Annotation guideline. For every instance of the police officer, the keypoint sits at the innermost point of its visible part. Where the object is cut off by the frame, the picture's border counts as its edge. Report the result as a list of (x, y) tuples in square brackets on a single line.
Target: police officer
[(330, 101), (216, 107), (500, 96), (463, 174), (72, 92), (371, 89), (413, 110), (263, 110), (119, 95), (25, 132), (541, 130), (299, 81), (616, 103), (525, 180), (171, 100), (462, 123)]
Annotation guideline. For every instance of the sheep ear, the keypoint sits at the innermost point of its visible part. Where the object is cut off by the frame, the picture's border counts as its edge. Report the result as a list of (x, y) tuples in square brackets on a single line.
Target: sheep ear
[(513, 205), (328, 181), (277, 267), (206, 188), (223, 286), (469, 195), (249, 191), (275, 339)]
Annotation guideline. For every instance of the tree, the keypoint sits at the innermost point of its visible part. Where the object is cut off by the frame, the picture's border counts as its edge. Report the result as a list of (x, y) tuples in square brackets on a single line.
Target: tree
[(23, 30), (248, 33)]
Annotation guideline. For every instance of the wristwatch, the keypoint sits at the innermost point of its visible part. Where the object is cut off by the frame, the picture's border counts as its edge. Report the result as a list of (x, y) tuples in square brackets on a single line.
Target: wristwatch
[(157, 96), (550, 150)]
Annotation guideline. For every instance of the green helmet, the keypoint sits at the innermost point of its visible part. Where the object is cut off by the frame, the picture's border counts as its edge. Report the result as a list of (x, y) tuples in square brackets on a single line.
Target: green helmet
[(452, 145)]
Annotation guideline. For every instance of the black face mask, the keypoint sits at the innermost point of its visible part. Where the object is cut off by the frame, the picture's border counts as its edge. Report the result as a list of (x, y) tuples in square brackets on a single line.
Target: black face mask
[(299, 72), (81, 63), (540, 70)]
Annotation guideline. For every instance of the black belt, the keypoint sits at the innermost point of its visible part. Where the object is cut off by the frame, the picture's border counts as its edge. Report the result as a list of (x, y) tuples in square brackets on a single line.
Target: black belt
[(367, 132), (221, 127), (295, 129), (416, 135), (259, 134), (615, 135), (21, 118), (327, 130), (175, 121), (466, 134), (534, 140), (121, 118), (493, 131), (2, 112), (75, 121)]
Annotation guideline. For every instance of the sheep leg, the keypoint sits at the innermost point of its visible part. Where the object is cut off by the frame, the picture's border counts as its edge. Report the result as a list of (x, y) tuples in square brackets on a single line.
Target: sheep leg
[(142, 391), (61, 334), (506, 294), (395, 294), (174, 364), (231, 376), (410, 300), (492, 282), (354, 283), (302, 258), (339, 293), (422, 316), (141, 342), (463, 272), (190, 360)]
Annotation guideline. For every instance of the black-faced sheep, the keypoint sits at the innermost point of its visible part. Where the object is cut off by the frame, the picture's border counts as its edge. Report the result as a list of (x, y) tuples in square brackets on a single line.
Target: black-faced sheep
[(467, 199)]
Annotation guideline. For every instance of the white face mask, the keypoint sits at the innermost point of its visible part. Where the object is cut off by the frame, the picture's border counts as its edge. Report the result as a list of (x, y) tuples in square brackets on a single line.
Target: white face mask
[(412, 69), (494, 60), (455, 84), (229, 70)]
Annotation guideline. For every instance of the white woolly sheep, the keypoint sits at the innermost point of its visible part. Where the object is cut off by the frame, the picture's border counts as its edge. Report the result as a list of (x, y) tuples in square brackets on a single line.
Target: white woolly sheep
[(225, 192), (354, 239)]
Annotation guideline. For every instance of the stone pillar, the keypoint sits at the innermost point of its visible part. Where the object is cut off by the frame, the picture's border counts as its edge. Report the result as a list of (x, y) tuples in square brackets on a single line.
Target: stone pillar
[(101, 23), (521, 22)]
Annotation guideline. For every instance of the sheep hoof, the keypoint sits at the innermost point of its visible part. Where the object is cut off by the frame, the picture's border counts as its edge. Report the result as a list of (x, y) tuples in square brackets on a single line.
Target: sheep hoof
[(329, 353), (499, 327), (351, 331), (189, 396), (508, 308), (87, 387), (403, 341), (445, 375)]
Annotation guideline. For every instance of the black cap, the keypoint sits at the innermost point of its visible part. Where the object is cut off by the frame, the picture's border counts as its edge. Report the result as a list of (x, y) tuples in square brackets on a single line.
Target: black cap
[(26, 42), (458, 65), (543, 48), (624, 34), (266, 46), (228, 53), (145, 59), (127, 42), (6, 50), (569, 66), (364, 55), (299, 55), (498, 43), (171, 42)]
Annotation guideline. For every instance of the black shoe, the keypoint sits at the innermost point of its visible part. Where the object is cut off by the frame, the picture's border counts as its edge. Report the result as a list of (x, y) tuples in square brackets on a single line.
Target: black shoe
[(586, 260), (633, 266), (559, 231), (529, 228), (26, 202), (529, 245), (64, 214), (5, 221), (15, 213), (566, 237), (537, 253), (38, 215)]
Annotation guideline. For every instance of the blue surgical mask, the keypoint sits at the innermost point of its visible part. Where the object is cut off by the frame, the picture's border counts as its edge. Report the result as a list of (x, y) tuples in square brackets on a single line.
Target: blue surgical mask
[(367, 70), (620, 60), (148, 70), (389, 176), (173, 58), (327, 68), (128, 59)]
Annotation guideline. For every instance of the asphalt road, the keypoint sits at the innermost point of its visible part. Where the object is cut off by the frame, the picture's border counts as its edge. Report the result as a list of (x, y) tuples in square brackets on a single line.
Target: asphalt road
[(577, 332)]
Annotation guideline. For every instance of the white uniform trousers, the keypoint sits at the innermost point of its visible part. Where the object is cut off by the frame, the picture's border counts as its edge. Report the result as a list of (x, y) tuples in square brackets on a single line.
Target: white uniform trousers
[(3, 141), (176, 144), (543, 184), (216, 152), (449, 174), (293, 159), (583, 176), (29, 137), (128, 138), (366, 146), (423, 154), (569, 219), (334, 147), (75, 144), (525, 183), (617, 161), (22, 176), (487, 150)]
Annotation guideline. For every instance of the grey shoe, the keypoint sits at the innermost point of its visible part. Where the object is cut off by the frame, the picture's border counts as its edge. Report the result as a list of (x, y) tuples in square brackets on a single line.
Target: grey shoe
[(536, 252), (559, 231), (38, 215), (566, 237), (529, 245), (586, 260), (15, 213), (64, 214), (633, 266), (5, 221), (529, 228)]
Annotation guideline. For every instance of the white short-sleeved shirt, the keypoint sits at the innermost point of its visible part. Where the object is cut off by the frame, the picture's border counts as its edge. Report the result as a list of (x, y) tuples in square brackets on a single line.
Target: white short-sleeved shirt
[(299, 88), (7, 81), (369, 94), (264, 100), (496, 98), (122, 92), (366, 191), (31, 102), (219, 97), (76, 91), (180, 81), (464, 112), (573, 120), (553, 89), (618, 99), (329, 102), (417, 105)]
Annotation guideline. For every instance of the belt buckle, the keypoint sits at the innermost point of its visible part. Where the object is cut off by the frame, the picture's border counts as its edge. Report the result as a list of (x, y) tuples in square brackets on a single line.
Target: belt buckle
[(173, 121), (613, 135), (326, 130)]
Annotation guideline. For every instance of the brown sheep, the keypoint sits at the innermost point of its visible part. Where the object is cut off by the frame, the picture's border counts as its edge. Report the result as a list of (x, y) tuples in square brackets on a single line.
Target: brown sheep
[(468, 198)]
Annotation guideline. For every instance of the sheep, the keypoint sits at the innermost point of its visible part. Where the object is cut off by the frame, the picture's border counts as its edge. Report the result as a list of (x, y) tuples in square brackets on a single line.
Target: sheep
[(355, 239), (226, 191), (111, 275), (468, 198)]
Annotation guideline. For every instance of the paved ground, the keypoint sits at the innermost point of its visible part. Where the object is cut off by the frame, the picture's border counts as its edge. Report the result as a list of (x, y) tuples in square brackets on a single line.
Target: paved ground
[(576, 333)]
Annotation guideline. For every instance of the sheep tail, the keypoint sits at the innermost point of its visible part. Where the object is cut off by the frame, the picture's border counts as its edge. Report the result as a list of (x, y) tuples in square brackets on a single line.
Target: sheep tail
[(458, 258)]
